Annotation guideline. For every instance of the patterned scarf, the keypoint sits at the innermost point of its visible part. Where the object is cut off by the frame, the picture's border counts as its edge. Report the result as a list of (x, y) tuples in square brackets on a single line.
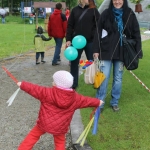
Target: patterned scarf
[(118, 18)]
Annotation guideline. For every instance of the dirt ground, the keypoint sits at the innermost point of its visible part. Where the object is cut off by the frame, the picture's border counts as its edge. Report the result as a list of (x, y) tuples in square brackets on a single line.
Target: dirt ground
[(17, 119)]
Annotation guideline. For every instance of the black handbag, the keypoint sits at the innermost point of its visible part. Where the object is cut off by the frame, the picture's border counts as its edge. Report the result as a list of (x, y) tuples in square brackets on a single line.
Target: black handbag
[(130, 56)]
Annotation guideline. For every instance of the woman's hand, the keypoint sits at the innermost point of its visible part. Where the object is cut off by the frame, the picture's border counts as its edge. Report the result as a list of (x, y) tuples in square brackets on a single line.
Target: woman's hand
[(95, 55), (68, 43), (19, 84)]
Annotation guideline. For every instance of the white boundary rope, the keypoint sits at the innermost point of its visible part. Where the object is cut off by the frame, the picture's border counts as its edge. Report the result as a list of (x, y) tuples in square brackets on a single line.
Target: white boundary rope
[(140, 81)]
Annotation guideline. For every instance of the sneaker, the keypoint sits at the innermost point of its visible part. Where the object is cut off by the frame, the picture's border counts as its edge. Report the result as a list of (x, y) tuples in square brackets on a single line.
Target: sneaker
[(74, 87), (115, 108), (43, 61), (37, 63), (55, 64)]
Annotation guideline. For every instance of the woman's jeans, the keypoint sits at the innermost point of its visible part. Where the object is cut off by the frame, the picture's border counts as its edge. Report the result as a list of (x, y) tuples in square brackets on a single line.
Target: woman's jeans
[(105, 67), (58, 46), (74, 66)]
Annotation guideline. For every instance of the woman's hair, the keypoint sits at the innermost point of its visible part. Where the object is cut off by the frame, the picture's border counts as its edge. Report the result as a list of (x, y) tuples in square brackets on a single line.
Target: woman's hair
[(125, 4)]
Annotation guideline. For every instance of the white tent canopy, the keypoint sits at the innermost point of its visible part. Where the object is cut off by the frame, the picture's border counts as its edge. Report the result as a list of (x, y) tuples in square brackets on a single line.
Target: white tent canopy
[(2, 11)]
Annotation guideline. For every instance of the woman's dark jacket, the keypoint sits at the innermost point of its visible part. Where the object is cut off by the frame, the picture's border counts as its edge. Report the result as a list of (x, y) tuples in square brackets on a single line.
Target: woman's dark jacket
[(109, 51), (86, 26)]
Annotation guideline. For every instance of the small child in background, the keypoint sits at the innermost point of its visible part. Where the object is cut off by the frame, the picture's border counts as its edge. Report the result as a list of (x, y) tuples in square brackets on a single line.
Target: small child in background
[(67, 13), (58, 104), (3, 18), (40, 45)]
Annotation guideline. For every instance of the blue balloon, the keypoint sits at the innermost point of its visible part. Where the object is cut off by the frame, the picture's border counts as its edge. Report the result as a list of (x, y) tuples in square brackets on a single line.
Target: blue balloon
[(79, 41), (71, 53)]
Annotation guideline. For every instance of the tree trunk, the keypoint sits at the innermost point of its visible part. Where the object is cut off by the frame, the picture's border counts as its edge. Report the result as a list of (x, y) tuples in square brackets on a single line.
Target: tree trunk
[(11, 6)]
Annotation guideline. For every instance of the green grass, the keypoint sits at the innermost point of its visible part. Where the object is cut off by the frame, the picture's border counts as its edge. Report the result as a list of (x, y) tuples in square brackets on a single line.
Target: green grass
[(142, 30), (17, 19), (17, 38), (129, 128)]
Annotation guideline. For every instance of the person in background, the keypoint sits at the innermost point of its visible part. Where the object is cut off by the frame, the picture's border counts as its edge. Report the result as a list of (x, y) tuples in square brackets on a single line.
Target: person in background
[(57, 29), (3, 15), (3, 19), (40, 45), (85, 26), (67, 13), (109, 46), (58, 104)]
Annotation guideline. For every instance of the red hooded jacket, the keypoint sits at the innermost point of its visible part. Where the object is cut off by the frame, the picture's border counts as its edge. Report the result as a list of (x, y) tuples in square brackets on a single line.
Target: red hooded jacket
[(57, 106), (57, 24)]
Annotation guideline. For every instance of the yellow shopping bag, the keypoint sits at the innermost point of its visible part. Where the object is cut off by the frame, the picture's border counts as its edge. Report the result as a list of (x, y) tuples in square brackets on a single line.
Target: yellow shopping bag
[(99, 76), (98, 79)]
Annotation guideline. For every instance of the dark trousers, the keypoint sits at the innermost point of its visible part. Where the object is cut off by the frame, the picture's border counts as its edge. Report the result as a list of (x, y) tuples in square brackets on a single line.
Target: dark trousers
[(74, 66), (58, 46), (38, 55)]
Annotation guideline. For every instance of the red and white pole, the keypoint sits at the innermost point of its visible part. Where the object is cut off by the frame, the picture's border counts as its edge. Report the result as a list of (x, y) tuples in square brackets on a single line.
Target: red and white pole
[(140, 81)]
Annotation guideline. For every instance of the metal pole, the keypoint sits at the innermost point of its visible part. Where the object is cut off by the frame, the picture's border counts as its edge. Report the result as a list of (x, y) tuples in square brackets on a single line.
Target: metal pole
[(36, 24)]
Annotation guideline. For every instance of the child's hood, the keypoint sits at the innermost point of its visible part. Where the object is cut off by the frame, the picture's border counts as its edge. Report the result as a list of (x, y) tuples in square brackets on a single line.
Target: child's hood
[(63, 98)]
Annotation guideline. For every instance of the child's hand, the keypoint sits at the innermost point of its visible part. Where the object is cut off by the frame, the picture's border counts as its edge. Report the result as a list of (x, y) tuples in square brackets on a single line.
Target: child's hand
[(101, 102), (19, 84)]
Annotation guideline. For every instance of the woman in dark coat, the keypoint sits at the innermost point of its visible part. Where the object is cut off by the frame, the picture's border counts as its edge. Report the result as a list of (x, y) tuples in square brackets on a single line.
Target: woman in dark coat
[(86, 26), (108, 45)]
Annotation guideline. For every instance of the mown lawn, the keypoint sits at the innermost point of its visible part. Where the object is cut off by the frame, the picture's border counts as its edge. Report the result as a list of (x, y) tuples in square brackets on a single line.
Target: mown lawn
[(17, 36), (127, 129)]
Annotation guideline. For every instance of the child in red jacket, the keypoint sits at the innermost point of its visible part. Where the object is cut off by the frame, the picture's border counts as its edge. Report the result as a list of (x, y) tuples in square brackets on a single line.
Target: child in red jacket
[(58, 104)]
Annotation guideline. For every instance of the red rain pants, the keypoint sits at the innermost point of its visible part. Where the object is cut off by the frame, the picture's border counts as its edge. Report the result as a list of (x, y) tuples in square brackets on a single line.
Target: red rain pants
[(34, 135)]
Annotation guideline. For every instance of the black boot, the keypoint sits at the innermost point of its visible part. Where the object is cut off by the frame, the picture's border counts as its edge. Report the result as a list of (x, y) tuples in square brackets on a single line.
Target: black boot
[(42, 60), (37, 62)]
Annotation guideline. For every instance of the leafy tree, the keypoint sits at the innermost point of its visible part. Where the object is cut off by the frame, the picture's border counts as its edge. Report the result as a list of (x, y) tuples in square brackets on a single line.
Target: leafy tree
[(98, 2), (148, 7), (136, 1)]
